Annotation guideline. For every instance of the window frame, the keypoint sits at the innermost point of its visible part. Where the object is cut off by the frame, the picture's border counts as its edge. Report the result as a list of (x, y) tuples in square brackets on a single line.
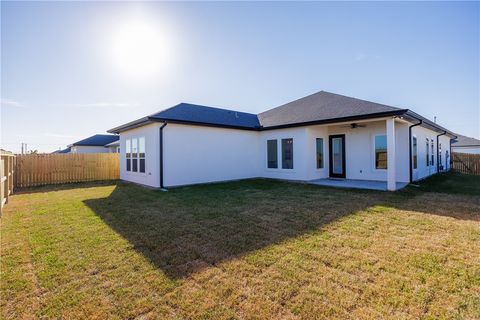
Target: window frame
[(138, 158), (415, 152), (282, 154), (375, 152), (276, 154), (428, 152), (322, 163), (432, 155), (439, 155)]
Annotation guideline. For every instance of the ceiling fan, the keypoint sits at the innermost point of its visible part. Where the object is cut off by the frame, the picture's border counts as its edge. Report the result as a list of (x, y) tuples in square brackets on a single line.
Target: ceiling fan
[(354, 125)]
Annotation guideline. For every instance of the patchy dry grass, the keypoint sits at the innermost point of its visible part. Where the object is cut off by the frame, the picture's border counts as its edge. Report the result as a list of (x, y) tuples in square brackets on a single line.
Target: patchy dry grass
[(253, 249)]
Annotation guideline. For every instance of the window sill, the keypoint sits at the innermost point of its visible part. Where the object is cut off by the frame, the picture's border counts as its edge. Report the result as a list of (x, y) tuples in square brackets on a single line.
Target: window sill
[(133, 173)]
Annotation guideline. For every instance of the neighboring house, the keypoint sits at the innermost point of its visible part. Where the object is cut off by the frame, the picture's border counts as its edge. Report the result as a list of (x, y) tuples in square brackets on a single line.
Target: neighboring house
[(463, 144), (323, 135), (95, 144), (66, 150), (113, 147)]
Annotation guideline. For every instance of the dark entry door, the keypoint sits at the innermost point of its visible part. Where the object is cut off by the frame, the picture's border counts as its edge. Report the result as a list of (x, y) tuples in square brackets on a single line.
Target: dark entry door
[(337, 156)]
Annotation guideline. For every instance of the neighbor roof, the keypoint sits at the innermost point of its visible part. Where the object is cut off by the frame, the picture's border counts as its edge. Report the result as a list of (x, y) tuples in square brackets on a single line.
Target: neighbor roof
[(113, 144), (66, 150), (319, 108), (97, 140), (464, 141)]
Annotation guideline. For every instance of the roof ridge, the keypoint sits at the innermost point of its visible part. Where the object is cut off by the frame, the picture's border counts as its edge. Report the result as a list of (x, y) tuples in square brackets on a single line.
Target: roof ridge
[(284, 104)]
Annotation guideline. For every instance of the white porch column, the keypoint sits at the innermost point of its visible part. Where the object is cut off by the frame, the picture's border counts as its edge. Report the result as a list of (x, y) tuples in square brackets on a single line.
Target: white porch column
[(391, 165)]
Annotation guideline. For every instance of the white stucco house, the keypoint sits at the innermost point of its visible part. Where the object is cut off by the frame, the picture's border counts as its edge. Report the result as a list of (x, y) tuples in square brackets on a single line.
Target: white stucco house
[(99, 143), (319, 137), (464, 144)]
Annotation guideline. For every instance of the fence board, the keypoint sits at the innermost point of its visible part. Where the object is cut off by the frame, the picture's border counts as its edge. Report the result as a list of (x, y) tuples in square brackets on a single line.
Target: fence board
[(466, 163), (35, 170), (7, 174)]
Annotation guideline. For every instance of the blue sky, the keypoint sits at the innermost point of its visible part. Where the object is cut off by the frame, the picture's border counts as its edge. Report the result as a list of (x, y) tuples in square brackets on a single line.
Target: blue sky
[(62, 80)]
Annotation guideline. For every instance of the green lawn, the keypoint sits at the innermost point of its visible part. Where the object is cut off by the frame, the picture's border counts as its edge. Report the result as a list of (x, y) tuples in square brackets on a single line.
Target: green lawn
[(253, 249)]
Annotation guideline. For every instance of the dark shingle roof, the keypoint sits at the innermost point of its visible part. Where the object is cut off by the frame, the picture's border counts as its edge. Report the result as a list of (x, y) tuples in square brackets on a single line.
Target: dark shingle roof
[(320, 106), (66, 150), (97, 140), (186, 112), (464, 141)]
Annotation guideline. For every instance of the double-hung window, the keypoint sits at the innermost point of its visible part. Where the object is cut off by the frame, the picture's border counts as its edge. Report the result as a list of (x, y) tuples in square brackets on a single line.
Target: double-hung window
[(432, 158), (319, 153), (414, 152), (135, 154), (381, 152), (128, 154), (440, 154), (287, 153), (427, 153), (272, 154)]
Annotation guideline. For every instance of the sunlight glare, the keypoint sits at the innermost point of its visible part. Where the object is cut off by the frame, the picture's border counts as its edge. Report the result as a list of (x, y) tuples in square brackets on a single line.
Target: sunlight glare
[(140, 48)]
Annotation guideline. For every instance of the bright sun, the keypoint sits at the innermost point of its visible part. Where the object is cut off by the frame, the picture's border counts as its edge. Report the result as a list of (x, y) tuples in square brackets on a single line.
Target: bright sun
[(139, 48)]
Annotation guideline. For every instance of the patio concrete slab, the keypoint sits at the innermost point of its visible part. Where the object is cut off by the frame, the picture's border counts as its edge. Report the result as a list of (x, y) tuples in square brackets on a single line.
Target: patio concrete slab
[(356, 184)]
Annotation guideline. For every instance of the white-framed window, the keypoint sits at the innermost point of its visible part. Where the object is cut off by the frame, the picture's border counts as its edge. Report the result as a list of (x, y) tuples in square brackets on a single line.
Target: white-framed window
[(440, 154), (135, 154), (128, 154), (414, 152), (432, 153), (427, 152), (380, 152), (287, 153), (319, 146), (272, 154)]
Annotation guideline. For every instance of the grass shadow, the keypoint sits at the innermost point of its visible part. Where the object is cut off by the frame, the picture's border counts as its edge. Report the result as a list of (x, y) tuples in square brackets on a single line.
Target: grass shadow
[(187, 229), (64, 186)]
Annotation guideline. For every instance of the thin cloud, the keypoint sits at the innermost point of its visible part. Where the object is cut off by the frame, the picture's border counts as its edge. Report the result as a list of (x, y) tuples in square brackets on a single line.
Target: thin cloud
[(10, 103), (59, 135), (361, 56), (104, 105)]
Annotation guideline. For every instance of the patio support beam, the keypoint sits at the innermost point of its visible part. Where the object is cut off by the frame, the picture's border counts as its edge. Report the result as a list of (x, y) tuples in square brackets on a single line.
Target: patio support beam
[(391, 165)]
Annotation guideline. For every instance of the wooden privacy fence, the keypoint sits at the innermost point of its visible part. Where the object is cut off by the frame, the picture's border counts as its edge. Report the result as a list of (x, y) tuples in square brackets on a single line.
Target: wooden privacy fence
[(35, 170), (7, 164), (466, 163)]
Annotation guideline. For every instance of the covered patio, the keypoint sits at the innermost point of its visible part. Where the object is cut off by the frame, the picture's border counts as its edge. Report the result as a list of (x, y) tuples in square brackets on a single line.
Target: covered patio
[(356, 184)]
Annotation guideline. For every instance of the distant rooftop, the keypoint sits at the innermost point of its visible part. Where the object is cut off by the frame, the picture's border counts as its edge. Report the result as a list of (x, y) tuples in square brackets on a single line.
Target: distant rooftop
[(464, 141), (97, 140)]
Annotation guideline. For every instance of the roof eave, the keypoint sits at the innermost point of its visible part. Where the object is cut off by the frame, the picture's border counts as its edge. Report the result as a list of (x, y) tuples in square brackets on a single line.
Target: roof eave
[(342, 119), (431, 124), (205, 124), (131, 125)]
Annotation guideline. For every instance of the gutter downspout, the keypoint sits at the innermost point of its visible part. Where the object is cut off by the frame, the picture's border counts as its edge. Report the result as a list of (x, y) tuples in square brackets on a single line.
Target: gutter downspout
[(162, 187), (438, 155), (410, 147)]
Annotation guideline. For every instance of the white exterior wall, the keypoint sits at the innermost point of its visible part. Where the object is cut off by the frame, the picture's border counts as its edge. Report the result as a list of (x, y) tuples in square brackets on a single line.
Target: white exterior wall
[(300, 154), (199, 154), (423, 170), (472, 150), (151, 177), (89, 149), (360, 150), (445, 142)]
